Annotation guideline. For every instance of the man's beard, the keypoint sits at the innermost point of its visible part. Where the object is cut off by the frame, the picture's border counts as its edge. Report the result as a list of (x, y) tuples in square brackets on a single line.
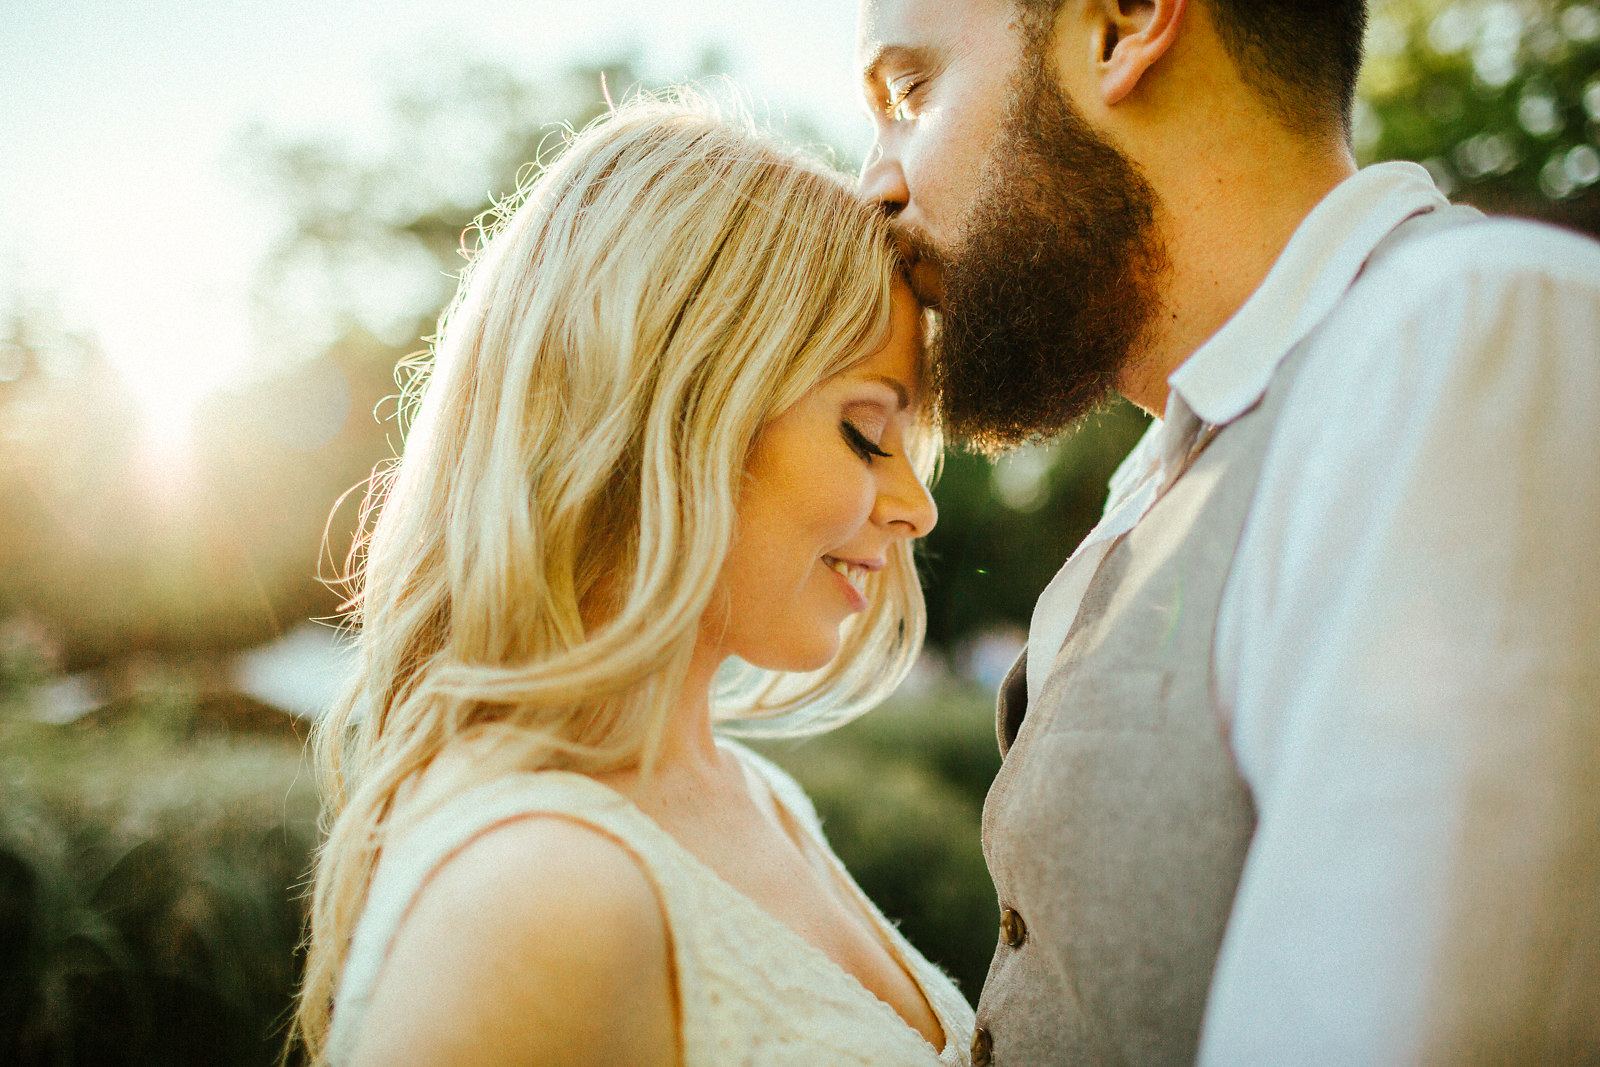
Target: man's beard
[(1051, 288)]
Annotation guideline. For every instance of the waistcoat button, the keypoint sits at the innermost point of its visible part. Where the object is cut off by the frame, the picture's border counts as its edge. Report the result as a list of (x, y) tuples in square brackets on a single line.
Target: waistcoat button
[(982, 1048), (1013, 931)]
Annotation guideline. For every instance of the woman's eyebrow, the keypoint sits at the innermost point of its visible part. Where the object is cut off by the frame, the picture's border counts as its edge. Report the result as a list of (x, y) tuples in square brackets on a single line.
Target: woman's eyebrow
[(900, 391)]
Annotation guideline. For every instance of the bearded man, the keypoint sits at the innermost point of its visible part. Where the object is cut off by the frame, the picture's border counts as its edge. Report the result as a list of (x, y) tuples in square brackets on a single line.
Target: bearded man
[(1302, 764)]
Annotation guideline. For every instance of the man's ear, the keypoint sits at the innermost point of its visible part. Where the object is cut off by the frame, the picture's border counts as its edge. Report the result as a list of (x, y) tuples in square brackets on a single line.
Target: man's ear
[(1133, 35)]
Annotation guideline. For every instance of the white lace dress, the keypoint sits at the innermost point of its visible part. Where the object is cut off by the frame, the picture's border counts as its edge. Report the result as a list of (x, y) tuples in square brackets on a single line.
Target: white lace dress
[(752, 992)]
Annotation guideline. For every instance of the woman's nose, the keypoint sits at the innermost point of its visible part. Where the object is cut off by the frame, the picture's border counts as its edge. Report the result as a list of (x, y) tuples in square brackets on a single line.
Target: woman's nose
[(904, 505)]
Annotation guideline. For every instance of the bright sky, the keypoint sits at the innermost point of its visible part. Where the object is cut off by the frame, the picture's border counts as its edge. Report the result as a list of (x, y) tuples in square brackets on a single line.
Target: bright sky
[(119, 205)]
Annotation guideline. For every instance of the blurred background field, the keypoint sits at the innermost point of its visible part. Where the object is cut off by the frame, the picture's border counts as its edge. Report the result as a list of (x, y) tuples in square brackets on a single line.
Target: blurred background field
[(159, 560)]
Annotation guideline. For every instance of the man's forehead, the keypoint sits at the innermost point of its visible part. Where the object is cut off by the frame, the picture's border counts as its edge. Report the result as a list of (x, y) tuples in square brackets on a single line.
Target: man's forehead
[(885, 24)]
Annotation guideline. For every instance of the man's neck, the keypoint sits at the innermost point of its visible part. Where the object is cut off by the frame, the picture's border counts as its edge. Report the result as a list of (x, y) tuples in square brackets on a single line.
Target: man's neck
[(1224, 227)]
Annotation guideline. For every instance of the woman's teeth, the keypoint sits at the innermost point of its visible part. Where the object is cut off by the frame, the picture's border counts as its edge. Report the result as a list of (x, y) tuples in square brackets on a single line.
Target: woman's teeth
[(855, 575)]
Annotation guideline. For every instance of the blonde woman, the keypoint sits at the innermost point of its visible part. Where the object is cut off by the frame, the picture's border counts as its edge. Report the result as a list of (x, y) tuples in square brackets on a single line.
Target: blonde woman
[(673, 424)]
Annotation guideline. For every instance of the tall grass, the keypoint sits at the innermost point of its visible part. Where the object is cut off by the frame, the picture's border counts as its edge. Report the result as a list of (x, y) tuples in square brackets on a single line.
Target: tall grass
[(149, 908)]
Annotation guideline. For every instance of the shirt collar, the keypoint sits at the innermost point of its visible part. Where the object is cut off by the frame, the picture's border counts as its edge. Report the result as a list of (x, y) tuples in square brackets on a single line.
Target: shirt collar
[(1227, 375)]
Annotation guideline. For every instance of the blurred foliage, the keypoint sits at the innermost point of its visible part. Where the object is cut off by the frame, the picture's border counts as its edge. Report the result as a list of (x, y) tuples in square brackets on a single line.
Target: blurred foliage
[(148, 909), (1499, 99), (378, 228), (1004, 528), (25, 661)]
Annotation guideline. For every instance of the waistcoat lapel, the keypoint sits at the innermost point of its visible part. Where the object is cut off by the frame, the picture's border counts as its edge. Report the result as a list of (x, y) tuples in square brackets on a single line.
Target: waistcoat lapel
[(1117, 827)]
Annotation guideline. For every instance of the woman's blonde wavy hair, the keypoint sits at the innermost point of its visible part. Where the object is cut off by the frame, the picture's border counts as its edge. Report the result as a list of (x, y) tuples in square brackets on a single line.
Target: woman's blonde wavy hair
[(540, 557)]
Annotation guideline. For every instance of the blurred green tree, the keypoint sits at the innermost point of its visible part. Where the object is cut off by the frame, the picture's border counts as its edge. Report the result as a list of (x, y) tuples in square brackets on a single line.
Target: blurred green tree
[(377, 231), (1499, 99), (1006, 527)]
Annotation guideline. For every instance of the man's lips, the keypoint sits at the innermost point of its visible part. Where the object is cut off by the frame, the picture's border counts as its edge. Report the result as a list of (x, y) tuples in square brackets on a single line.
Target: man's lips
[(927, 282), (922, 266)]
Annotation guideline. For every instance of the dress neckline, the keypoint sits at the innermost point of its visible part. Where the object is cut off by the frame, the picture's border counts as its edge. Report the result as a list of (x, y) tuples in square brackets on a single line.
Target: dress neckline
[(880, 925)]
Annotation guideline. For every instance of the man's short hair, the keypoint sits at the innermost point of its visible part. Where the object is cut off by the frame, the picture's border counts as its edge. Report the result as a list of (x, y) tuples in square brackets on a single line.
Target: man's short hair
[(1301, 56)]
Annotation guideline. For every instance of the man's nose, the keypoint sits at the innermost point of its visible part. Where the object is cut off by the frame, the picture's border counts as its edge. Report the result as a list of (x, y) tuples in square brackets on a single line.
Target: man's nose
[(882, 181)]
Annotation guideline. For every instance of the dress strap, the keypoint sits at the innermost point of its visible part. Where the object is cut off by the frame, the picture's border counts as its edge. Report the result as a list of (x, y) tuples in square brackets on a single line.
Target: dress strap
[(406, 864)]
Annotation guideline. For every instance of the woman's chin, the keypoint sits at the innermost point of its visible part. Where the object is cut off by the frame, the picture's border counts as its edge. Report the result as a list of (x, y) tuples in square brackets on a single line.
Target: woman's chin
[(799, 659)]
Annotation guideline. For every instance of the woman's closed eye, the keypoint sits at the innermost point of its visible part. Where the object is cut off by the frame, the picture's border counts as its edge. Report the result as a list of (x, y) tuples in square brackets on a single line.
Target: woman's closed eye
[(862, 445)]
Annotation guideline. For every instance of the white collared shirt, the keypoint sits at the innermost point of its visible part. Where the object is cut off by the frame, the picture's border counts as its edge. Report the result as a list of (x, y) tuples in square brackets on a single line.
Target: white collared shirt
[(1408, 647)]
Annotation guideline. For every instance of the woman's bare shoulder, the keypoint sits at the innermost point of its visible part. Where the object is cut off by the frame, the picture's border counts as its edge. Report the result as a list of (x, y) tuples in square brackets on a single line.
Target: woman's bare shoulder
[(541, 941)]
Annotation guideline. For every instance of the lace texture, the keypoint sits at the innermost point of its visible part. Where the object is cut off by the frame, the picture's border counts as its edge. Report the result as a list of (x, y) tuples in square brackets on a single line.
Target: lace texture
[(752, 992)]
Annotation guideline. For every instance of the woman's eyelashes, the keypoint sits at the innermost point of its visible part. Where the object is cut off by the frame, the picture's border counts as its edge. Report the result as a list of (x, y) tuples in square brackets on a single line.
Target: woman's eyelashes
[(859, 441)]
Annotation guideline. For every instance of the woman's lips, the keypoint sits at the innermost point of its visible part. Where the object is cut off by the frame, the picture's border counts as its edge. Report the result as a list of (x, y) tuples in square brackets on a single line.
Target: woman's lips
[(852, 578)]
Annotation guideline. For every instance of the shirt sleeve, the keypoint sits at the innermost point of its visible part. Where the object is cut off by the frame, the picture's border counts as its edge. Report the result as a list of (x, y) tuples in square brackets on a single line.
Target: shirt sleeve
[(1410, 649)]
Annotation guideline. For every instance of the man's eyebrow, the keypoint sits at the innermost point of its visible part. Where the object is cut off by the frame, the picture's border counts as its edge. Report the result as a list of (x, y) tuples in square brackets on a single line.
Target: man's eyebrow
[(897, 55)]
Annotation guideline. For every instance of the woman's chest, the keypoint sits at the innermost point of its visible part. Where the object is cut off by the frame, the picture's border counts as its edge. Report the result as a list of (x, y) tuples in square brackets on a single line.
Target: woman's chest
[(800, 889)]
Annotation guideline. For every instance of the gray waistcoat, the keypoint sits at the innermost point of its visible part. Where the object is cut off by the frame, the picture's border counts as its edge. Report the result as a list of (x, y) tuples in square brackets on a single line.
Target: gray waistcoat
[(1117, 827)]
